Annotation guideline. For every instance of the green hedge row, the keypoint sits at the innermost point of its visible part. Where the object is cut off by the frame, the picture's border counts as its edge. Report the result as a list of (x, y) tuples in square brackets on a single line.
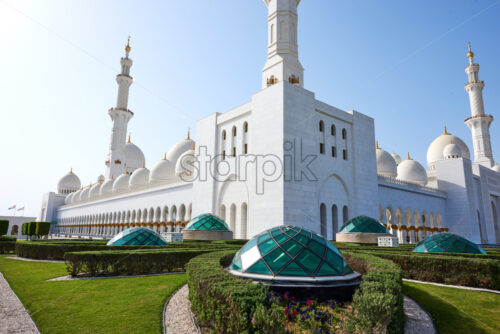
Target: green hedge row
[(131, 262), (5, 238), (221, 302), (7, 247), (378, 303), (475, 272), (4, 227), (35, 228)]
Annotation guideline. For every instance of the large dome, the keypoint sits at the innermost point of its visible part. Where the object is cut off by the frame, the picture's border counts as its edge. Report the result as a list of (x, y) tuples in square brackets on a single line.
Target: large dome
[(184, 168), (139, 178), (68, 183), (411, 171), (386, 165), (162, 171), (363, 224), (447, 243), (137, 236), (207, 222), (134, 158), (176, 151), (291, 253), (435, 150), (121, 182)]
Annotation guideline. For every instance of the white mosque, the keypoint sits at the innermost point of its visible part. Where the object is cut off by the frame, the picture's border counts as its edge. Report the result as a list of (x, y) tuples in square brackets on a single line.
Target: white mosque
[(286, 158)]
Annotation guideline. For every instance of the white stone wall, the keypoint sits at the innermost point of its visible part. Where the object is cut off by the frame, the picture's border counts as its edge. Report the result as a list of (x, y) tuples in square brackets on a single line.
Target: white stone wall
[(18, 221)]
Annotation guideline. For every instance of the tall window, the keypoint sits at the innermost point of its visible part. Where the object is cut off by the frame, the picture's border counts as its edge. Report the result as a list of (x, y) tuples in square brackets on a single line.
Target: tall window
[(333, 130), (335, 220), (224, 135), (223, 155), (321, 126), (334, 151), (245, 148), (345, 214), (245, 127), (322, 148), (344, 134), (344, 153), (234, 152), (322, 214), (234, 131)]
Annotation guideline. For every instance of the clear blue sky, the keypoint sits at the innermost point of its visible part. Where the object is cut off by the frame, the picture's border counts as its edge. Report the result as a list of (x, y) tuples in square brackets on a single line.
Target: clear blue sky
[(400, 62)]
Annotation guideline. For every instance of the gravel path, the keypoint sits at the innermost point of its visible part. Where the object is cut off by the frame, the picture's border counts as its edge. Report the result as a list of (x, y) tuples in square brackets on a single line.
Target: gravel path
[(417, 320), (14, 319), (178, 313)]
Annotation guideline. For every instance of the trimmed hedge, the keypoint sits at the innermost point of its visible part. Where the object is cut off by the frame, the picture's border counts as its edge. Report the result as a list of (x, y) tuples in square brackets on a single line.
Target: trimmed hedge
[(4, 227), (378, 303), (5, 238), (132, 262), (475, 272), (42, 228), (221, 302), (7, 247)]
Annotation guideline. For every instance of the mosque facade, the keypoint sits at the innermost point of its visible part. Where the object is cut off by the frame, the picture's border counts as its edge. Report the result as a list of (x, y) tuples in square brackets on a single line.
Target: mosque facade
[(286, 158)]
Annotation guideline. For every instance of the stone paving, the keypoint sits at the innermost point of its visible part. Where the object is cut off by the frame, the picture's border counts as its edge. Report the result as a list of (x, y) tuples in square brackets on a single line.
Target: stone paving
[(417, 320), (14, 319)]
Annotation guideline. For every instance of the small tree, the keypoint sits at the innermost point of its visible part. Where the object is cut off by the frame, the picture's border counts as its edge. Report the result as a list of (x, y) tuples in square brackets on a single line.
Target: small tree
[(4, 227), (42, 228)]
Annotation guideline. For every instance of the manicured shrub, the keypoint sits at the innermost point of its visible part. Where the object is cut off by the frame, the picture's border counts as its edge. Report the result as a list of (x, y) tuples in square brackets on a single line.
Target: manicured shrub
[(4, 227), (5, 238), (42, 228), (7, 247), (129, 262), (221, 302), (468, 271)]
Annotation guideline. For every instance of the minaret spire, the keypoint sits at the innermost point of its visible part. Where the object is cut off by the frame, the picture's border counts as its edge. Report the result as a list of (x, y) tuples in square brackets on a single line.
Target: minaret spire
[(478, 122), (120, 115), (282, 51)]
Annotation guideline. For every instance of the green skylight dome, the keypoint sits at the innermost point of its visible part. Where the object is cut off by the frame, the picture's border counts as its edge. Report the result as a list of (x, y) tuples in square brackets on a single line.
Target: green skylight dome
[(291, 253), (447, 243), (137, 236), (363, 224), (207, 222)]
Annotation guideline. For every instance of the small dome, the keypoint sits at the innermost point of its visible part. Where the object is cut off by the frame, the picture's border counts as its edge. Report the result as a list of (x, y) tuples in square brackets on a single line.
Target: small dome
[(447, 243), (291, 253), (397, 158), (134, 158), (363, 224), (137, 236), (121, 182), (84, 194), (95, 190), (139, 178), (207, 222), (107, 187), (178, 149), (496, 168), (68, 183), (162, 171), (436, 148), (452, 151), (386, 165), (76, 196), (411, 171), (69, 198), (184, 168)]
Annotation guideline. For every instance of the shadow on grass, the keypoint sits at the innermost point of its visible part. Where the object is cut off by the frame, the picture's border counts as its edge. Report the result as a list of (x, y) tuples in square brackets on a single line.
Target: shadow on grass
[(447, 318)]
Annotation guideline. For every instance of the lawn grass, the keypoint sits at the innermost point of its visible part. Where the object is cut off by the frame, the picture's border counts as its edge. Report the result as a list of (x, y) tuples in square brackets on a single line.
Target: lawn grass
[(112, 305), (457, 311)]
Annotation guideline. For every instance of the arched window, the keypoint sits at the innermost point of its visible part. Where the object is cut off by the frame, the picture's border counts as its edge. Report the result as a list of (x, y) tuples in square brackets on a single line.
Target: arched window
[(322, 148), (345, 214), (245, 127), (344, 134), (321, 126), (344, 154), (322, 214), (234, 131), (334, 152), (222, 212), (223, 134), (335, 221), (333, 130)]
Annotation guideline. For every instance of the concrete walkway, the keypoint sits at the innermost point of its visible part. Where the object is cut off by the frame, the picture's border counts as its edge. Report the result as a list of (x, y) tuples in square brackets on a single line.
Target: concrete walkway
[(14, 319), (417, 320), (453, 286)]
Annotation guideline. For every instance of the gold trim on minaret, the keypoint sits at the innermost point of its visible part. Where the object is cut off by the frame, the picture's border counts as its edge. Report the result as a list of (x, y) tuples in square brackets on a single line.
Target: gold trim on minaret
[(128, 141), (127, 47), (376, 145), (188, 135), (165, 156), (470, 54)]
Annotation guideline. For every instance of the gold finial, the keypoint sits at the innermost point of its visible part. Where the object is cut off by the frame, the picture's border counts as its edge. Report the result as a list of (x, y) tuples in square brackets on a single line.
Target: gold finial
[(165, 156), (127, 47), (112, 176), (192, 147), (71, 170), (128, 141), (470, 54), (376, 145), (409, 158), (445, 131), (188, 136), (143, 165)]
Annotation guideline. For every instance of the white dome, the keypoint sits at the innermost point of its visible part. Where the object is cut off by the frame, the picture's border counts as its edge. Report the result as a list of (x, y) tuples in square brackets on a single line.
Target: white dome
[(452, 151), (107, 187), (84, 194), (121, 182), (386, 165), (95, 190), (162, 171), (178, 149), (435, 150), (184, 167), (139, 178), (76, 196), (68, 183), (411, 171), (496, 168), (69, 198), (396, 158), (134, 158)]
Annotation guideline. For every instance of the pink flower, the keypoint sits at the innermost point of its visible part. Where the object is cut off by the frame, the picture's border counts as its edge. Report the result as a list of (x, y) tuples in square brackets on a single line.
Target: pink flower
[(286, 310), (308, 302), (253, 320)]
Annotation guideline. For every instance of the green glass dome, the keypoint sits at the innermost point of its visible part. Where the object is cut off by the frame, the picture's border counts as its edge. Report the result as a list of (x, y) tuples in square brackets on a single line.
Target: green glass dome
[(363, 224), (207, 222), (290, 253), (137, 236), (447, 243)]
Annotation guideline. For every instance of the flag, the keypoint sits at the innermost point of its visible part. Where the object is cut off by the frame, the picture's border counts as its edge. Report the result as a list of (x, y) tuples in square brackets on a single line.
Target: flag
[(12, 207), (21, 209)]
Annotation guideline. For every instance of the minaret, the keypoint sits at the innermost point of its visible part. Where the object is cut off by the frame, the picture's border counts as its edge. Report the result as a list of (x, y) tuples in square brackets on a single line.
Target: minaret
[(282, 51), (120, 116), (478, 122)]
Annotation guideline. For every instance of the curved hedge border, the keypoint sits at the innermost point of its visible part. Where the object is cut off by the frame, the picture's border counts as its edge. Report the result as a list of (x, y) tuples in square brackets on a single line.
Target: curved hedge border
[(131, 262), (7, 247)]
